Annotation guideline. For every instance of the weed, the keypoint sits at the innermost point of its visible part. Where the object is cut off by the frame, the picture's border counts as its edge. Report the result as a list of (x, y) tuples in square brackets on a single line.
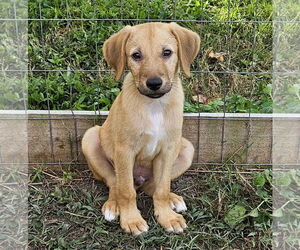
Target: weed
[(224, 211), (13, 208), (77, 45), (286, 208)]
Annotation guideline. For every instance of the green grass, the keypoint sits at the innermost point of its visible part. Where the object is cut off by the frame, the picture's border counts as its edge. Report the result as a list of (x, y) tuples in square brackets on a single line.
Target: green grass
[(225, 210), (13, 207), (77, 45)]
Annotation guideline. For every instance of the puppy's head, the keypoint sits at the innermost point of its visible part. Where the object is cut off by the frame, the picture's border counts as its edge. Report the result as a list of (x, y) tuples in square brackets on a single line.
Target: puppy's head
[(153, 53)]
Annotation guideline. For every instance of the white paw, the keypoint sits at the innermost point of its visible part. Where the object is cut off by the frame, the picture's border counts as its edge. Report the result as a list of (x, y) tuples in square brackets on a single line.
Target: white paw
[(179, 206), (109, 215), (172, 206), (142, 229), (170, 230)]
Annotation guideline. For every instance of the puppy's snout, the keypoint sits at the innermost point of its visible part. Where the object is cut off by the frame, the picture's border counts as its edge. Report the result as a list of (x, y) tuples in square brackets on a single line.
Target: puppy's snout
[(154, 83)]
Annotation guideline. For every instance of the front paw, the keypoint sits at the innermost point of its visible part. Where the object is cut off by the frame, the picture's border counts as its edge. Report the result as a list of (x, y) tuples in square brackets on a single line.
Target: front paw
[(171, 221), (177, 203), (110, 210), (133, 222)]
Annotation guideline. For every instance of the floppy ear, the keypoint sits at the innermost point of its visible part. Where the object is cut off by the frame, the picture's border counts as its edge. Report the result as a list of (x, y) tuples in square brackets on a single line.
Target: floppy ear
[(188, 46), (114, 51)]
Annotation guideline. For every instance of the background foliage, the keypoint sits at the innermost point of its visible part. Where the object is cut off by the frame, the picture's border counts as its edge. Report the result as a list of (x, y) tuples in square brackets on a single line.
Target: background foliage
[(76, 45)]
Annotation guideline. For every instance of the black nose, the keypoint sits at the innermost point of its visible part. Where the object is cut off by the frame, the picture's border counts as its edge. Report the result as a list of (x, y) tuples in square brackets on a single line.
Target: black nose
[(154, 83)]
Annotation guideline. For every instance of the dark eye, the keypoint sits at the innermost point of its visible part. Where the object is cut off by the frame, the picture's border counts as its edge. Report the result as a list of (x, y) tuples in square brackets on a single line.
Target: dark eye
[(136, 56), (167, 53)]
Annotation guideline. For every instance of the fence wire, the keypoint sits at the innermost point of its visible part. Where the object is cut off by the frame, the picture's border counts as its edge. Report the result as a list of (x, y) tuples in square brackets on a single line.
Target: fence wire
[(197, 71)]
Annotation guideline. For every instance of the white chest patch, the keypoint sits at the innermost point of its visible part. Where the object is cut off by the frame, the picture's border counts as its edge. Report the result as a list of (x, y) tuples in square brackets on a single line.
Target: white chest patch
[(155, 129)]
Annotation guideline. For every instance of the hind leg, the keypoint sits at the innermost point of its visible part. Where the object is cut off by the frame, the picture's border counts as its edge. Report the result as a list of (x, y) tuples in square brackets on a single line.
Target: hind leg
[(181, 164), (102, 169)]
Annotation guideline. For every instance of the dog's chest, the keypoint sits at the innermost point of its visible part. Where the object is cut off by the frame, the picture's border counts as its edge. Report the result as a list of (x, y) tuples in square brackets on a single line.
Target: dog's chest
[(154, 132)]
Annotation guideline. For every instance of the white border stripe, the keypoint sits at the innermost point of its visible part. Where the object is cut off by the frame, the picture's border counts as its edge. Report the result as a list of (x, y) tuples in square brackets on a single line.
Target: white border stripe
[(104, 113)]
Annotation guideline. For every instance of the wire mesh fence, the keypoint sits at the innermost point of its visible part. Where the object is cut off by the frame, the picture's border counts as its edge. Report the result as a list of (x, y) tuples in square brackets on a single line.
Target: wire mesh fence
[(233, 70), (229, 99)]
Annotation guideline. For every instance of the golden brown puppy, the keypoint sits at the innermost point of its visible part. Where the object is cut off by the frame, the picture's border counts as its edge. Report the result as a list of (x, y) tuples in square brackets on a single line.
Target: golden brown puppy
[(140, 145)]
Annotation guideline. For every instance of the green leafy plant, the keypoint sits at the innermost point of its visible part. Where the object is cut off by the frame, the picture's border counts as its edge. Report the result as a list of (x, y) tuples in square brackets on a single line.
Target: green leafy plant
[(76, 45), (286, 207)]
